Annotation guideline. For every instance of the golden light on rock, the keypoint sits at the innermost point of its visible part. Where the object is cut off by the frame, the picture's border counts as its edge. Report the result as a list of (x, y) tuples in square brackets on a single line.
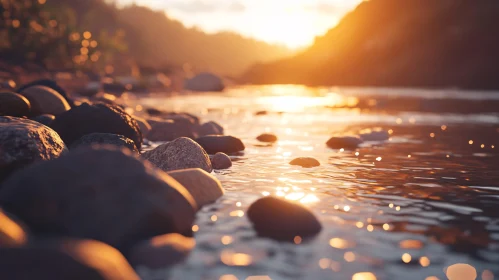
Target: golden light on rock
[(349, 256), (340, 243), (461, 271), (406, 258), (411, 244), (424, 261), (364, 276), (231, 258)]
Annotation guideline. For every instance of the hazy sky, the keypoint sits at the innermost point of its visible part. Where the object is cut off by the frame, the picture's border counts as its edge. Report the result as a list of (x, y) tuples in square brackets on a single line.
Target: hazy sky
[(291, 22)]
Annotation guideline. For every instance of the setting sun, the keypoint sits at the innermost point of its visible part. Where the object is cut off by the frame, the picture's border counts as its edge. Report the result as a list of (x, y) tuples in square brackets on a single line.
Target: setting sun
[(294, 23)]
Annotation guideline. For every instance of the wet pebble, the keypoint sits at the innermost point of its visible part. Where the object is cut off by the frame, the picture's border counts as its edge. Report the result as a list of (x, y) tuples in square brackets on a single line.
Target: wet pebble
[(181, 153), (221, 161), (306, 162), (50, 84), (261, 113), (221, 144), (204, 188), (99, 118), (65, 259), (14, 105), (266, 137), (210, 128), (161, 251), (100, 193), (282, 220), (105, 138), (344, 142), (168, 130), (23, 142), (45, 100)]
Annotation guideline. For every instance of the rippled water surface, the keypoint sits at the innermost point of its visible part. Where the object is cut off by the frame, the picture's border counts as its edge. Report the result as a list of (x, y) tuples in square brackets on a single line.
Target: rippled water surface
[(423, 205)]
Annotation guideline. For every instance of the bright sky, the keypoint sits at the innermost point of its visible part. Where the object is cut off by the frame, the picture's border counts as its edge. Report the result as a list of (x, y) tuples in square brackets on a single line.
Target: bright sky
[(294, 23)]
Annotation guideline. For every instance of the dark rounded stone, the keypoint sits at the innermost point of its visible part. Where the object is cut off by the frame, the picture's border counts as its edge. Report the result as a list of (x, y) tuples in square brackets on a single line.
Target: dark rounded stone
[(105, 138), (45, 119), (267, 137), (221, 161), (374, 135), (154, 112), (221, 144), (45, 100), (181, 153), (99, 118), (283, 220), (169, 130), (23, 142), (144, 125), (344, 142), (65, 259), (161, 251), (261, 113), (99, 193), (14, 105), (306, 162), (210, 128), (48, 83)]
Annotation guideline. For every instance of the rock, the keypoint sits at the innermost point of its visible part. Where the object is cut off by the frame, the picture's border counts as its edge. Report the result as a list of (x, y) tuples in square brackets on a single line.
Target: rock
[(168, 130), (48, 83), (205, 188), (14, 105), (306, 162), (99, 193), (183, 119), (344, 142), (67, 259), (23, 142), (45, 119), (221, 144), (283, 220), (181, 153), (374, 135), (144, 126), (210, 128), (204, 82), (107, 139), (266, 137), (154, 112), (261, 113), (12, 234), (221, 161), (99, 118), (45, 100), (161, 251)]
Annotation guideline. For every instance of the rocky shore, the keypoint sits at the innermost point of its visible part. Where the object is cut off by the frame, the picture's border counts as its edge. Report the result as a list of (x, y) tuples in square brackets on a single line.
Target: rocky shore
[(84, 196)]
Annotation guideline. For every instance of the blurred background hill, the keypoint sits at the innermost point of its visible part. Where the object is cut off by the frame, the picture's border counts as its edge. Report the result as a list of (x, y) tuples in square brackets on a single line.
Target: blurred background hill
[(90, 34), (409, 43)]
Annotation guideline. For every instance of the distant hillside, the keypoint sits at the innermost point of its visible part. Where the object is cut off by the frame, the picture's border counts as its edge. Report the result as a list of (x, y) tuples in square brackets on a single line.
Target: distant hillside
[(413, 43), (133, 35)]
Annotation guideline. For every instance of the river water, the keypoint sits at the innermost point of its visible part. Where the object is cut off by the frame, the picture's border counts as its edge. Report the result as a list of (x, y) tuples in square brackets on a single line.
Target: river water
[(423, 205)]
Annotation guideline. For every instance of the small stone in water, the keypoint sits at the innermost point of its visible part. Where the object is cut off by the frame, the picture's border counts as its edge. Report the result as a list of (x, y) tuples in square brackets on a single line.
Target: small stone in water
[(344, 142), (14, 105), (282, 220), (45, 119), (161, 251), (221, 144), (374, 135), (45, 100), (204, 188), (221, 161), (306, 162), (266, 137)]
